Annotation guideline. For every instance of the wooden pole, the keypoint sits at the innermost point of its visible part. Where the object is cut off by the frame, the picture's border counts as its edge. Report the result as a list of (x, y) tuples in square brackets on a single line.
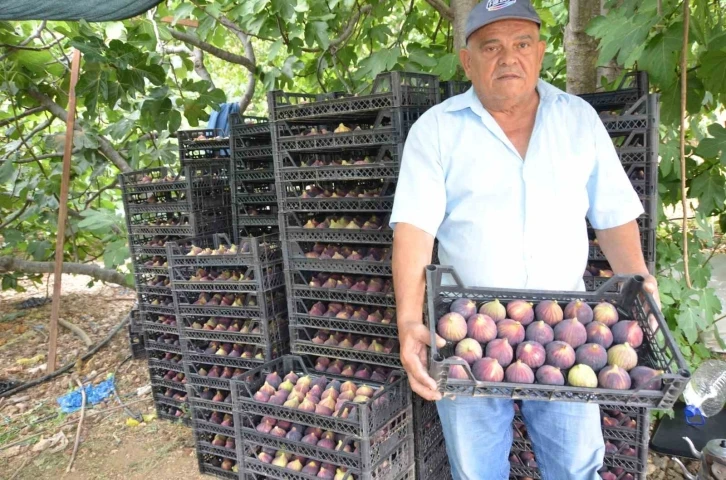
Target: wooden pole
[(63, 213)]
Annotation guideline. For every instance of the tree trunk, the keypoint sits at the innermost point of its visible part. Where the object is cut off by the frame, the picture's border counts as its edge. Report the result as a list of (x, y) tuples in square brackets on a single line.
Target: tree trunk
[(12, 264), (461, 10), (580, 48)]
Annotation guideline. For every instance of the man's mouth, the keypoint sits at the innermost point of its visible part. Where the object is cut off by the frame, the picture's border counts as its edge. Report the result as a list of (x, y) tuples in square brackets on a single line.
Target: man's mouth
[(508, 76)]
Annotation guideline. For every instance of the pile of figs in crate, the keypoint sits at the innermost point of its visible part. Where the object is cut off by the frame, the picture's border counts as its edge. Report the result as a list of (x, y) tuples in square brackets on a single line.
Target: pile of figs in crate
[(320, 426), (519, 342)]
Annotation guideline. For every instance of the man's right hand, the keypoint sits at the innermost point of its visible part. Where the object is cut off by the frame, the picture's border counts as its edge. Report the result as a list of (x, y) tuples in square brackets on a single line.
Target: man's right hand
[(414, 338)]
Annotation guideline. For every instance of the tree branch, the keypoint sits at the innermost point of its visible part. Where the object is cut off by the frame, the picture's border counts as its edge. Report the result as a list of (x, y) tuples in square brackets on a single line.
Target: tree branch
[(99, 192), (24, 114), (42, 157), (104, 145), (250, 55), (217, 52), (35, 34), (443, 9), (199, 67), (349, 28), (15, 216), (23, 140), (12, 264), (177, 49)]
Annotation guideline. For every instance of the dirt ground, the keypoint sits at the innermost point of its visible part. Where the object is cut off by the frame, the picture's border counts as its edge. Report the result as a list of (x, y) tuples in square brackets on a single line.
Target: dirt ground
[(110, 448)]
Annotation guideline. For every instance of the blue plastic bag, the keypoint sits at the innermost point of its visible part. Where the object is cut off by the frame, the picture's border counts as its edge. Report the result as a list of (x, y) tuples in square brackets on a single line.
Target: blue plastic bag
[(71, 402)]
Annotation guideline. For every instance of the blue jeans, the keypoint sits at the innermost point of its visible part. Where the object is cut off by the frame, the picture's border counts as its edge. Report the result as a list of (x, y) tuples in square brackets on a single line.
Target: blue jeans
[(566, 437)]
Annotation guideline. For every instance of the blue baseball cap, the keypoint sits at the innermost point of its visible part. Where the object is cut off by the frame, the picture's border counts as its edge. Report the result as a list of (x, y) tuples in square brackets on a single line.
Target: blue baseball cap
[(492, 11)]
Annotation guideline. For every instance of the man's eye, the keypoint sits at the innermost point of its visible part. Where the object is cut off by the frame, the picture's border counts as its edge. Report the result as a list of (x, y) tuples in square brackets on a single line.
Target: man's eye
[(523, 45)]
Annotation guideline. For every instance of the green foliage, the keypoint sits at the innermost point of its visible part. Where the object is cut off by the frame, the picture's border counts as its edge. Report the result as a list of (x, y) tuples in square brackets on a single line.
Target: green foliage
[(637, 36)]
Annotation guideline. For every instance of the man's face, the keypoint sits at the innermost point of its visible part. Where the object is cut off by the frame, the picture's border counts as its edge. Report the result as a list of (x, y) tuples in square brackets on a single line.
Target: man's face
[(503, 59)]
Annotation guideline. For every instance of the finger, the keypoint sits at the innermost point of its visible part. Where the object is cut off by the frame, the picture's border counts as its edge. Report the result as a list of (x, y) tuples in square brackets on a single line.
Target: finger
[(423, 335), (423, 391), (415, 368)]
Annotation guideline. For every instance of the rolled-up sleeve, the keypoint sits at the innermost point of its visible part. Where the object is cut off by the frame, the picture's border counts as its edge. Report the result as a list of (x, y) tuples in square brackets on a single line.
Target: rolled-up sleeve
[(613, 201), (421, 192)]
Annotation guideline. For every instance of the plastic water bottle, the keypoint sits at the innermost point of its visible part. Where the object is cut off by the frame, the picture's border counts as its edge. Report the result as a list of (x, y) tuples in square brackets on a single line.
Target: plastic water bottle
[(705, 393)]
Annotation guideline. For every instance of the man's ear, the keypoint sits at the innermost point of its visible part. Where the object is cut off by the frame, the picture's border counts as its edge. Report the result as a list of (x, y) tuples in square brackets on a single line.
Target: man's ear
[(541, 47), (465, 59)]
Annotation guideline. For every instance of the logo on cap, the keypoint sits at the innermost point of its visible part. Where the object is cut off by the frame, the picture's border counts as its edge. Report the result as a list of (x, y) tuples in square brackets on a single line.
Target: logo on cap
[(494, 5)]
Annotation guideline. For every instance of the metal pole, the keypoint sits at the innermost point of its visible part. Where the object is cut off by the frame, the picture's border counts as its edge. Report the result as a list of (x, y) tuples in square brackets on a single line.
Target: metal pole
[(63, 212)]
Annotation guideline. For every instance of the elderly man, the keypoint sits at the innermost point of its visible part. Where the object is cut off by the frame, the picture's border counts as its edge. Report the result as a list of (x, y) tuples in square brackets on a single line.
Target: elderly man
[(504, 176)]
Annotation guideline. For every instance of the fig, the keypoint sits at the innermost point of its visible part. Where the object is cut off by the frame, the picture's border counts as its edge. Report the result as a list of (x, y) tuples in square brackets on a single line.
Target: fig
[(511, 330), (501, 351), (469, 349), (571, 331), (452, 327), (539, 332), (464, 307), (532, 354), (549, 375), (549, 312), (645, 378), (520, 311), (605, 313), (457, 372), (487, 370), (560, 355), (519, 372), (481, 328), (614, 377), (593, 355), (628, 331), (579, 310), (311, 468), (582, 376), (494, 310), (599, 333), (623, 356)]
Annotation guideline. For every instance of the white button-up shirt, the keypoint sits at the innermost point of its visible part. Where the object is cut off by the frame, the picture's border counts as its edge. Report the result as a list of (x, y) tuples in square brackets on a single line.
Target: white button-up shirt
[(507, 222)]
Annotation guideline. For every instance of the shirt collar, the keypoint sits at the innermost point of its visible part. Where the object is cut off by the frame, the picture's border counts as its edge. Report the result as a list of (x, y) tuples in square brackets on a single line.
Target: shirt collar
[(469, 99)]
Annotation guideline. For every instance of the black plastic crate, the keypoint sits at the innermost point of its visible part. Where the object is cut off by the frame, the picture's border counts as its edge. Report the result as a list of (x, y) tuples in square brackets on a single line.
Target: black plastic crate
[(258, 332), (173, 414), (150, 244), (168, 378), (207, 417), (219, 251), (162, 342), (428, 431), (434, 463), (659, 349), (350, 318), (626, 450), (202, 145), (301, 227), (158, 322), (135, 324), (217, 462), (213, 376), (452, 88), (389, 90), (397, 465), (166, 360), (370, 450), (642, 115), (249, 128), (152, 284), (267, 305), (631, 88), (313, 285), (212, 441), (195, 188), (375, 260), (377, 161), (368, 419), (250, 356), (303, 342), (180, 224), (136, 344), (171, 397), (257, 278)]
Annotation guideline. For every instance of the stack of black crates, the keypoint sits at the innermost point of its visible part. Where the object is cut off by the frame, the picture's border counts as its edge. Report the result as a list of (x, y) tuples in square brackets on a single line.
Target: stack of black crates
[(163, 206), (336, 161)]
